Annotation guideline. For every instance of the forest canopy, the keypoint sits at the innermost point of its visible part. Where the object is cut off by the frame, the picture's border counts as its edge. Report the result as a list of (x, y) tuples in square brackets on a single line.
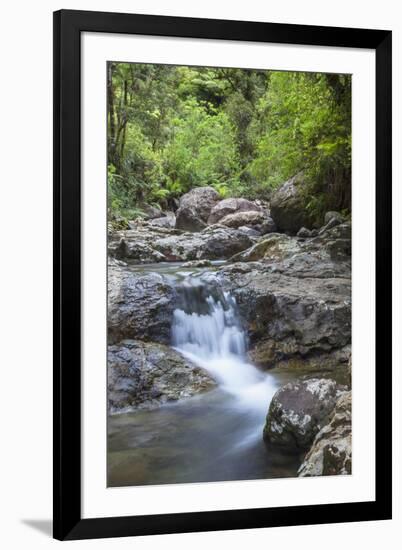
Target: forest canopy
[(241, 131)]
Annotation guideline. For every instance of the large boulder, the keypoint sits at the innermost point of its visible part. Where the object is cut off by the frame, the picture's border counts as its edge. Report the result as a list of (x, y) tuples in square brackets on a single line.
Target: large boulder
[(331, 451), (250, 218), (222, 243), (296, 308), (226, 207), (298, 411), (288, 206), (195, 208), (147, 375), (140, 305)]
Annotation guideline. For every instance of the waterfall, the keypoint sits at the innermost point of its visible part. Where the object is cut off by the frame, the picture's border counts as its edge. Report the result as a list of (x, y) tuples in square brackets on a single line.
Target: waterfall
[(215, 435), (207, 330), (214, 334)]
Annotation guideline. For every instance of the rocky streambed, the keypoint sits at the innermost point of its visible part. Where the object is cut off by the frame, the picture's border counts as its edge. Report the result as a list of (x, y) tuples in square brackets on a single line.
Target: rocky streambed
[(229, 345)]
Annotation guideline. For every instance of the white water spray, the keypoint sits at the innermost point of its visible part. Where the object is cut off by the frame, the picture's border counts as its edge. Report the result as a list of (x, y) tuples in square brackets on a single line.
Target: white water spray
[(207, 331)]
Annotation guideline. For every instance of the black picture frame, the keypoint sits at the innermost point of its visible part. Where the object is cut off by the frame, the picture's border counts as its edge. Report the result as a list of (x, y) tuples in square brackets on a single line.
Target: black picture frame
[(68, 26)]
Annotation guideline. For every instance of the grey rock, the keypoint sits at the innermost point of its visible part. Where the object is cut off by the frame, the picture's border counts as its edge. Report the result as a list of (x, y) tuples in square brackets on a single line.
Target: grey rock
[(213, 243), (331, 451), (267, 226), (140, 305), (195, 208), (339, 231), (298, 411), (333, 222), (323, 251), (137, 251), (226, 207), (150, 244), (150, 212), (336, 240), (292, 309), (132, 224), (168, 221), (288, 208), (238, 219), (333, 215), (304, 233), (188, 220), (250, 231), (327, 364), (276, 246), (339, 248), (147, 375), (311, 263)]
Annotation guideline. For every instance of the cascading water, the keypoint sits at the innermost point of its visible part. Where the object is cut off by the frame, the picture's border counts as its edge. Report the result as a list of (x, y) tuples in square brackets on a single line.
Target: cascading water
[(213, 436), (207, 330)]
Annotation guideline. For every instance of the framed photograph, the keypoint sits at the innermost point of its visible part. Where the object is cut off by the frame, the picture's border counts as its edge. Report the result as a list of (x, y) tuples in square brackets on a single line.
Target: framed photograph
[(222, 275)]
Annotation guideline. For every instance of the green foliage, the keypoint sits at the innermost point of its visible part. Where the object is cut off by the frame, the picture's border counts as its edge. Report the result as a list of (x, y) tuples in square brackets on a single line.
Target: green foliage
[(307, 128), (242, 131), (202, 150)]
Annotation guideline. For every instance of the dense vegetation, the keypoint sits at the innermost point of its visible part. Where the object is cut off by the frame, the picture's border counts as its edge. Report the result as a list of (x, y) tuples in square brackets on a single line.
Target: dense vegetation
[(171, 128)]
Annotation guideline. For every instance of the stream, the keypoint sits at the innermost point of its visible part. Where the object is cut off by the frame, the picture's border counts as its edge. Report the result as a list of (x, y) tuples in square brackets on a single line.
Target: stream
[(214, 436)]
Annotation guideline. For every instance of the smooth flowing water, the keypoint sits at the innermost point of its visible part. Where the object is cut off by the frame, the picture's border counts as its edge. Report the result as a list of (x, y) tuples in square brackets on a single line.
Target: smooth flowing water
[(214, 436)]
